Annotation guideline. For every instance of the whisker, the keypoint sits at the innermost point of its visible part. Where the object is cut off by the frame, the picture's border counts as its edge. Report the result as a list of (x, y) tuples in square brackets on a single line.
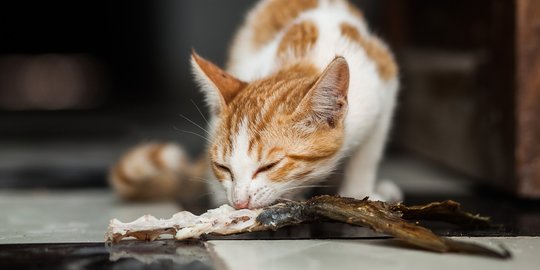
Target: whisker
[(197, 107), (335, 173), (263, 193), (281, 198), (308, 186), (205, 195), (197, 177), (197, 125), (201, 180), (193, 133)]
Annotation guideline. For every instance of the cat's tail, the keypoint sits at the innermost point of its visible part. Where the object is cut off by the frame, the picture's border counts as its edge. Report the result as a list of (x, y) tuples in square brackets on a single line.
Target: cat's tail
[(156, 171)]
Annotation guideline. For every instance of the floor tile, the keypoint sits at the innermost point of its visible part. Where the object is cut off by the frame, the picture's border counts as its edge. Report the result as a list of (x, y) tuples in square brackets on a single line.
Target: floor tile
[(67, 216), (377, 254)]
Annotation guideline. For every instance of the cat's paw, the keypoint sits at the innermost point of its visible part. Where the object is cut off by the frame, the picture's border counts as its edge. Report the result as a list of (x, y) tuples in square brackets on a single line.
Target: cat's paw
[(361, 195), (385, 190), (389, 191)]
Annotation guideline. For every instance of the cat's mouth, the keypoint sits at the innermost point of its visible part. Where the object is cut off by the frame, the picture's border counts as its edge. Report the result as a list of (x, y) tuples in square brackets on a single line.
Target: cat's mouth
[(260, 205), (253, 204)]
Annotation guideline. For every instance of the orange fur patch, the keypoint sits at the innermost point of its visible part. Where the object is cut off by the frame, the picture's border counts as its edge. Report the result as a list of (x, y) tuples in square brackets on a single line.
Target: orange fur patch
[(269, 106), (228, 85), (287, 88), (275, 15), (219, 175), (376, 51), (273, 151), (298, 39), (212, 156), (282, 173)]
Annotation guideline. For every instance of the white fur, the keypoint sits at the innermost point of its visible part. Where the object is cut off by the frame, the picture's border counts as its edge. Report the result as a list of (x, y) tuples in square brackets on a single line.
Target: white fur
[(242, 166), (371, 99), (209, 89), (241, 187)]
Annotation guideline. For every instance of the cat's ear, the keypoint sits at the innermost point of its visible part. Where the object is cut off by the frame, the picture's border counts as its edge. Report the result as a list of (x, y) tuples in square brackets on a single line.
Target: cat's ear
[(326, 102), (219, 87)]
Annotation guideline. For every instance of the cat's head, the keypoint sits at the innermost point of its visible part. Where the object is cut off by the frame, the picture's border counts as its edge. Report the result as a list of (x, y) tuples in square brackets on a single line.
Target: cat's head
[(274, 135)]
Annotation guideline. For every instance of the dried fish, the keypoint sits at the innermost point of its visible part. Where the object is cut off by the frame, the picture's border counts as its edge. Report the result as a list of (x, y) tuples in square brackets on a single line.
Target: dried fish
[(380, 216), (447, 211)]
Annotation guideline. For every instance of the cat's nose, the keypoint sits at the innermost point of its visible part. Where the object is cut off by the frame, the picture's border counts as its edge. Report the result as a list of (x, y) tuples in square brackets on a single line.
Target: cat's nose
[(241, 204)]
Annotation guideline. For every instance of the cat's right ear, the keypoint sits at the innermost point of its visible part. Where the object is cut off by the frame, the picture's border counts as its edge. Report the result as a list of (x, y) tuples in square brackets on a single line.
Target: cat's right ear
[(219, 87), (326, 102)]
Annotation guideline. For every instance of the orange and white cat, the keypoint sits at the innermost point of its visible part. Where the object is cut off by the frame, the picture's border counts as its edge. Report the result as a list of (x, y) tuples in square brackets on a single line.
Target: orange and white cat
[(307, 85)]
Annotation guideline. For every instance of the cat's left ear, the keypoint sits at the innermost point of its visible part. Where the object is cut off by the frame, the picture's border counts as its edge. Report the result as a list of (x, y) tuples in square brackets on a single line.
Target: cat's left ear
[(326, 102), (219, 87)]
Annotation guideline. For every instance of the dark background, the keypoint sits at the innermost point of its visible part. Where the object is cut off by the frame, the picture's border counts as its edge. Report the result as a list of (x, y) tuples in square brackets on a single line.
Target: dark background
[(82, 81), (132, 82)]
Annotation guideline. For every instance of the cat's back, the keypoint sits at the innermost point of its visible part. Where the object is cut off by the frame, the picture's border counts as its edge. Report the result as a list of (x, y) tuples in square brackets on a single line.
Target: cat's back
[(277, 32)]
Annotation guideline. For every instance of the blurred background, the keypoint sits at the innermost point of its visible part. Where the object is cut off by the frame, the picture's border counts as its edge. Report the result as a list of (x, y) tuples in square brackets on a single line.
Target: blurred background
[(83, 81)]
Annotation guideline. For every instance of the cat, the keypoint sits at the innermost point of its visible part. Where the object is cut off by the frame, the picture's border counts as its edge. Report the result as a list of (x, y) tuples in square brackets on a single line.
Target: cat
[(307, 85)]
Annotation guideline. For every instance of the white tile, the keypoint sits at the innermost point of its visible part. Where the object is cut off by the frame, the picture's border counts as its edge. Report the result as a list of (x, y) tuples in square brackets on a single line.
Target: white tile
[(367, 254), (67, 216)]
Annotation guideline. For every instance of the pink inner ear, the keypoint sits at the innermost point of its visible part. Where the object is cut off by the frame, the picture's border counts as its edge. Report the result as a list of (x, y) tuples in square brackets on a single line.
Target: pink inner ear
[(227, 85), (330, 121), (336, 77), (327, 99)]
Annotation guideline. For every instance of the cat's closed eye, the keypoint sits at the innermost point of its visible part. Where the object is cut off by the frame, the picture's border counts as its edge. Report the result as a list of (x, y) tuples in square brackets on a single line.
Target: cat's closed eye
[(222, 168), (266, 167)]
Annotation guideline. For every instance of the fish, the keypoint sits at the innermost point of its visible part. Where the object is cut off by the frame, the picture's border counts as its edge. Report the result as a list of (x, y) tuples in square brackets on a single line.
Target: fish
[(394, 219)]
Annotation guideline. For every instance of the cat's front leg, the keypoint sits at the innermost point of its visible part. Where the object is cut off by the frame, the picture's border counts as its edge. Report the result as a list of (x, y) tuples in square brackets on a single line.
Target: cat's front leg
[(361, 168), (360, 175), (360, 180)]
